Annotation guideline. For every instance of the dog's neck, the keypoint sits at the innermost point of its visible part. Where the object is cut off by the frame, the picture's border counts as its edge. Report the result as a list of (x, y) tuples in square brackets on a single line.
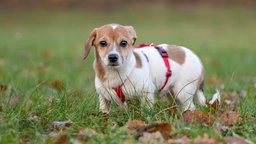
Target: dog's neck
[(113, 77)]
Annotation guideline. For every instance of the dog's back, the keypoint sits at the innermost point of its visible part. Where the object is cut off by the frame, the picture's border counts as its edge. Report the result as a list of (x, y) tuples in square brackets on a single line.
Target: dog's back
[(187, 77)]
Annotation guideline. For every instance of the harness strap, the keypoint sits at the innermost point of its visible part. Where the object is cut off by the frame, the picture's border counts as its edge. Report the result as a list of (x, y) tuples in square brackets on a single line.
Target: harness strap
[(164, 55), (119, 92)]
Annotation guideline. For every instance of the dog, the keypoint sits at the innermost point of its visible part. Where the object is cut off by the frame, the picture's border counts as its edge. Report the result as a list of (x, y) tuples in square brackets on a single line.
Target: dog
[(124, 72)]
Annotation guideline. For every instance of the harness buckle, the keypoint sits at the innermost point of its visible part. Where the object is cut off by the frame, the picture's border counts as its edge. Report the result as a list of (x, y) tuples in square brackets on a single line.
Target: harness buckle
[(164, 54)]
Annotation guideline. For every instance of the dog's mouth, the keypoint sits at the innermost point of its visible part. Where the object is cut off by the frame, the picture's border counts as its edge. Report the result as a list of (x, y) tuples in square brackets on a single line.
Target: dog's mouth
[(115, 65)]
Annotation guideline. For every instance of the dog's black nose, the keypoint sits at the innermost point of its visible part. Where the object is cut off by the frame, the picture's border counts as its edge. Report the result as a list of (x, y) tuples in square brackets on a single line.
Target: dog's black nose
[(113, 58)]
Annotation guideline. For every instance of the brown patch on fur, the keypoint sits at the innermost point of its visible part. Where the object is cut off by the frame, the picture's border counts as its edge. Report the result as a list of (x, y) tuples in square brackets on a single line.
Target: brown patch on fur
[(89, 43), (200, 85), (176, 53), (138, 60), (111, 36), (99, 69)]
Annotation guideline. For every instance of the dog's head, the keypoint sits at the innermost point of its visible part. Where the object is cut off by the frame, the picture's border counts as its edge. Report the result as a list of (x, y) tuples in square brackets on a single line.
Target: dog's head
[(113, 44)]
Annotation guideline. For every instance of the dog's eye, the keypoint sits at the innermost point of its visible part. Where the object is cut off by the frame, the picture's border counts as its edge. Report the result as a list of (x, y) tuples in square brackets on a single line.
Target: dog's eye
[(103, 43), (123, 43)]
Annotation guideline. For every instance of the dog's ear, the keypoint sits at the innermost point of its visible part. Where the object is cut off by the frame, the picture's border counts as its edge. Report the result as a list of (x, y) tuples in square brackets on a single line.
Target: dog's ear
[(132, 32), (89, 43)]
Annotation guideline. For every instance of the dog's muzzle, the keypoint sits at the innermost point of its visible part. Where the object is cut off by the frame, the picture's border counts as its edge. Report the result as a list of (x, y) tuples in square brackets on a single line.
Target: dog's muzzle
[(113, 60)]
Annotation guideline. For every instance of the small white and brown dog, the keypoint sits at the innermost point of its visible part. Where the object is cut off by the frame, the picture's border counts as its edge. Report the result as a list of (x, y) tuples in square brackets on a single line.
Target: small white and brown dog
[(123, 72)]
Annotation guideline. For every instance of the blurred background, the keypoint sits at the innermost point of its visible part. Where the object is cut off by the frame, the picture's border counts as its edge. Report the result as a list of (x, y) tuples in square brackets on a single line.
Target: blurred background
[(43, 40)]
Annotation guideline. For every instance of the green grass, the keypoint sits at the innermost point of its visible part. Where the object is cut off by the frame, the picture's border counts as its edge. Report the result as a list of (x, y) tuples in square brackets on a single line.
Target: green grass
[(43, 47)]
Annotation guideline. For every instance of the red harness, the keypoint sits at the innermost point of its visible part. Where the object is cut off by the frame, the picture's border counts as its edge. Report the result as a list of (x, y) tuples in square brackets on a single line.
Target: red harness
[(164, 55)]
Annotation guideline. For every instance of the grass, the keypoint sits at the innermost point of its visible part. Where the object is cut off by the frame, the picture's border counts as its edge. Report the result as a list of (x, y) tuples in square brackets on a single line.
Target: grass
[(41, 62)]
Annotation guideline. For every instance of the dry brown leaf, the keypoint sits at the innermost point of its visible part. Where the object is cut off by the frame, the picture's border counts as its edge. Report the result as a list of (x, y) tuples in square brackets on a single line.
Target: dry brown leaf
[(58, 85), (230, 98), (215, 101), (206, 140), (236, 140), (25, 140), (128, 142), (61, 139), (214, 105), (197, 116), (47, 54), (230, 117), (134, 125), (163, 128), (221, 127), (183, 140), (15, 100), (3, 87), (44, 69), (155, 138), (86, 133)]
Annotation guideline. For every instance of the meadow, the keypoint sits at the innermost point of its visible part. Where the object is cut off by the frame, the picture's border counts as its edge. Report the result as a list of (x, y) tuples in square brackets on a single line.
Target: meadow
[(44, 79)]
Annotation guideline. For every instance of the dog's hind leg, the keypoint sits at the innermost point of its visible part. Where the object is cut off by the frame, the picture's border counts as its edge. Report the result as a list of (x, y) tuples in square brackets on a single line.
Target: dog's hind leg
[(200, 98), (184, 95)]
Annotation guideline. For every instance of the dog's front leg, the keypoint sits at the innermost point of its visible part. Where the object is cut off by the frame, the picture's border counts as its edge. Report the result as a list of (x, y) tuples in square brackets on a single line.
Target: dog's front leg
[(104, 104)]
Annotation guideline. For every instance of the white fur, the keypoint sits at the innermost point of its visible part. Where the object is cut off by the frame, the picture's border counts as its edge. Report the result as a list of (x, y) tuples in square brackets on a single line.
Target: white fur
[(147, 80), (143, 80), (114, 26)]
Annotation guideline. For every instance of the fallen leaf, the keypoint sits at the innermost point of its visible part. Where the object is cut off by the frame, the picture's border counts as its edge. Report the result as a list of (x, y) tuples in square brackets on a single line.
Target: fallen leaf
[(163, 128), (230, 98), (128, 142), (3, 87), (183, 140), (206, 140), (47, 54), (44, 69), (61, 139), (58, 85), (230, 117), (215, 101), (221, 127), (197, 116), (86, 133), (25, 140), (134, 125), (61, 125), (154, 138), (14, 101), (236, 140)]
